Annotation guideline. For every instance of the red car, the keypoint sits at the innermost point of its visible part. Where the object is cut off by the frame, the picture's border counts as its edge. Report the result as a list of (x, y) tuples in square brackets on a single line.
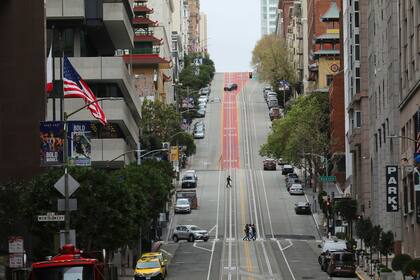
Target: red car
[(269, 164)]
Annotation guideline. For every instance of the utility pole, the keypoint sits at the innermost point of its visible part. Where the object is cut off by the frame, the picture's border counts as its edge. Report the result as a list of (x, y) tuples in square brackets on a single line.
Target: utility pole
[(66, 183)]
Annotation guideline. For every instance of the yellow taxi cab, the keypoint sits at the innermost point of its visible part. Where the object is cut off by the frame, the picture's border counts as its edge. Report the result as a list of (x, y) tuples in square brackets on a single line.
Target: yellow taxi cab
[(149, 269), (159, 255)]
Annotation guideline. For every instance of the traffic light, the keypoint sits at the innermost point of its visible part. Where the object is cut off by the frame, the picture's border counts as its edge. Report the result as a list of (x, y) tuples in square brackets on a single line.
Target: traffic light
[(250, 75)]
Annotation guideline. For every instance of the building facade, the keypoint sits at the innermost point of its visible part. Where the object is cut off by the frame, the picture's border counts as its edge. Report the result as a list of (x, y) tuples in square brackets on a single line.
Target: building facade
[(203, 33), (409, 125), (149, 59), (22, 85), (383, 88), (90, 33), (356, 86), (268, 16), (194, 26)]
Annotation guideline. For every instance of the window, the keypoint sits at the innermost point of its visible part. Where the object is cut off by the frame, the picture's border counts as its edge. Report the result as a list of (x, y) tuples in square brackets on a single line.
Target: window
[(380, 138), (384, 132), (358, 119), (376, 142), (357, 52), (330, 79)]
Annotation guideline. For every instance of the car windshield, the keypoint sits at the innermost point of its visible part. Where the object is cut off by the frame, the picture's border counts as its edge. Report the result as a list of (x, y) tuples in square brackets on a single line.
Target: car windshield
[(64, 273), (195, 228), (182, 202), (151, 264), (292, 175)]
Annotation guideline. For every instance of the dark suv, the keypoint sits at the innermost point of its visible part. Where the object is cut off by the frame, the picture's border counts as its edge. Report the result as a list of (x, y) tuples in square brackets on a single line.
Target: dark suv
[(341, 263), (231, 86)]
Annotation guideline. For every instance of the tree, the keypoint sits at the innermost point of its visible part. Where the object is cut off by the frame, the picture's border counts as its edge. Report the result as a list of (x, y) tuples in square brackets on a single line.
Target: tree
[(272, 61), (348, 209), (363, 229), (197, 76), (386, 244), (412, 268), (400, 261), (185, 139), (304, 129)]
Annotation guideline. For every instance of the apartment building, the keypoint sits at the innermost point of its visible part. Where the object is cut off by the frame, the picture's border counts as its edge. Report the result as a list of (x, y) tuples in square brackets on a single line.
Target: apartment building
[(269, 16), (149, 60), (89, 33), (203, 33), (292, 25), (194, 26), (323, 42), (180, 18), (22, 76), (409, 125), (163, 10), (383, 88), (356, 86)]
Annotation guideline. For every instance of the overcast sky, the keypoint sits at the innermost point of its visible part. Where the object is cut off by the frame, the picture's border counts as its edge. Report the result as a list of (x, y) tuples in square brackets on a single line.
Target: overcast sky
[(233, 28)]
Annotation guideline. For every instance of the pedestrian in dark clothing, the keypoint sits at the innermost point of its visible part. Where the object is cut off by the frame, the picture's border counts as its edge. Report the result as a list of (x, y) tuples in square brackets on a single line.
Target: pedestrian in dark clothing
[(228, 182), (246, 230), (254, 232)]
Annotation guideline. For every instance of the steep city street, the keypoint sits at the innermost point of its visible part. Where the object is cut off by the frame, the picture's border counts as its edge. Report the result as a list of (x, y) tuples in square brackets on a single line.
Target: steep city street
[(286, 243)]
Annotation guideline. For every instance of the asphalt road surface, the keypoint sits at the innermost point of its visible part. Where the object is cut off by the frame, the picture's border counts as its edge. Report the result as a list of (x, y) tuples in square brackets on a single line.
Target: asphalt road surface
[(286, 247)]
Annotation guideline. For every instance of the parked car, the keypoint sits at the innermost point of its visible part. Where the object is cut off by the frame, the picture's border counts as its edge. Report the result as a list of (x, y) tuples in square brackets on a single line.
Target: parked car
[(267, 88), (199, 125), (280, 161), (201, 112), (190, 233), (149, 268), (296, 189), (274, 113), (272, 103), (203, 98), (188, 181), (192, 173), (302, 208), (182, 205), (291, 176), (199, 133), (292, 181), (202, 105), (269, 164), (330, 245), (206, 91), (230, 87), (287, 169)]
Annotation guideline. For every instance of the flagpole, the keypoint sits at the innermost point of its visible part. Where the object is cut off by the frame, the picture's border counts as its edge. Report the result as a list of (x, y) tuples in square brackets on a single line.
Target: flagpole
[(53, 73), (64, 118)]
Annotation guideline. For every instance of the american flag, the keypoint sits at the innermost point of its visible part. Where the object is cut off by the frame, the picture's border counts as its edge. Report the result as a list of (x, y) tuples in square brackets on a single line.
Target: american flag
[(75, 87)]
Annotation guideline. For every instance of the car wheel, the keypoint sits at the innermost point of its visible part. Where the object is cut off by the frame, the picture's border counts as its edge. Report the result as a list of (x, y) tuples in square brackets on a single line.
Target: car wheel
[(191, 238), (175, 238), (206, 239), (319, 260)]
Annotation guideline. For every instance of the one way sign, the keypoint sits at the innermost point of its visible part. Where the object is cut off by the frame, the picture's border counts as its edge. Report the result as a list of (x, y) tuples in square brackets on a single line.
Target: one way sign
[(392, 188)]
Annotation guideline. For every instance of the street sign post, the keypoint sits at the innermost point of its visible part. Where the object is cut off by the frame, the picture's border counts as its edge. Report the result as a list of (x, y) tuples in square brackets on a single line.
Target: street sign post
[(60, 185), (328, 179), (51, 217)]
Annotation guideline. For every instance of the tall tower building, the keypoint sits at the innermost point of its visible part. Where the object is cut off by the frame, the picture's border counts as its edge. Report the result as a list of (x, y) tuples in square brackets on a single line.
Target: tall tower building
[(203, 32), (268, 16)]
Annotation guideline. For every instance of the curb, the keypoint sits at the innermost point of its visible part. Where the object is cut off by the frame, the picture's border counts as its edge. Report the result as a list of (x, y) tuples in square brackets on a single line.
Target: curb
[(359, 276)]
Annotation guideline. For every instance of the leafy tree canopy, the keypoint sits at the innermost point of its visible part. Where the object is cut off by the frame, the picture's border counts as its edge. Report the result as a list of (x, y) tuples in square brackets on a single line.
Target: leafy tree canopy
[(304, 129), (112, 205), (196, 76), (272, 61)]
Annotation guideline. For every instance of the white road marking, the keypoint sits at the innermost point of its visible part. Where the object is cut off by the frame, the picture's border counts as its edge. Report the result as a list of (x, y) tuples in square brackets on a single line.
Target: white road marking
[(285, 259), (202, 248), (166, 252)]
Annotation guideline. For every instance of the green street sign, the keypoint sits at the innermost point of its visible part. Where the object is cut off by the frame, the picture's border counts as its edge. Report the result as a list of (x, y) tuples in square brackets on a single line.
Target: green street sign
[(327, 179)]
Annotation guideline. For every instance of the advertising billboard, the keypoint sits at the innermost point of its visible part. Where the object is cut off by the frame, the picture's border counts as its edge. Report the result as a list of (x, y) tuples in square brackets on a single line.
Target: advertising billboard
[(51, 143), (79, 149)]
